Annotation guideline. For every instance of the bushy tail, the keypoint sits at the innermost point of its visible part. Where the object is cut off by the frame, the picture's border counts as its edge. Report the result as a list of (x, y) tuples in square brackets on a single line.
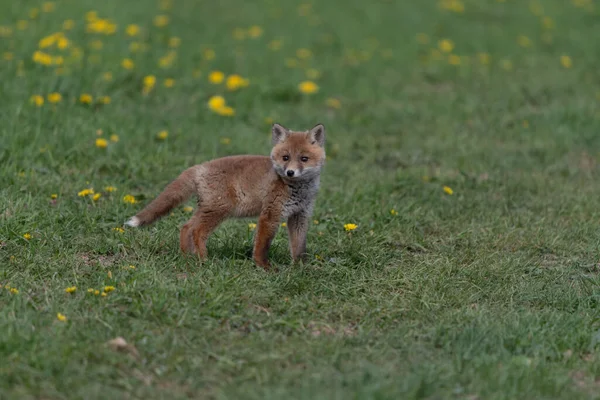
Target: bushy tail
[(174, 194)]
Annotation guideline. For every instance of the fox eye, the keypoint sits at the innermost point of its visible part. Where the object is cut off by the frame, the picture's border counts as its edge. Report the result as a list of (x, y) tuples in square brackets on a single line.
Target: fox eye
[(285, 158), (304, 159)]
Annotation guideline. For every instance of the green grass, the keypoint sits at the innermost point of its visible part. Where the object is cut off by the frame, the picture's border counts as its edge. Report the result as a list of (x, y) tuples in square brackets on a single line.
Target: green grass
[(488, 293)]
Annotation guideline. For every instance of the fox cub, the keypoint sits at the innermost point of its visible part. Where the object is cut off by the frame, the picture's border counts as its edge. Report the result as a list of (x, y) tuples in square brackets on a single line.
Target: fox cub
[(282, 187)]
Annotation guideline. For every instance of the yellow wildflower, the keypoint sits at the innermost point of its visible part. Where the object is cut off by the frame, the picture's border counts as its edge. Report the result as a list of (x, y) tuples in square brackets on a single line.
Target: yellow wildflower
[(37, 100), (61, 317), (110, 189), (312, 73), (96, 292), (104, 100), (350, 227), (188, 209), (566, 61), (48, 6), (216, 77), (114, 138), (132, 30), (22, 24), (283, 224), (101, 143), (524, 41), (14, 290), (96, 44), (507, 65), (129, 199), (291, 62), (7, 56), (118, 229), (54, 196), (216, 102), (127, 63), (132, 267), (333, 103), (422, 38), (27, 236), (85, 192), (275, 45), (96, 196), (448, 190), (208, 54), (239, 34), (235, 82), (252, 226), (71, 289), (162, 135), (453, 59), (107, 76), (446, 45), (303, 54), (161, 21), (54, 98), (108, 289), (169, 82), (90, 290), (226, 111), (103, 294), (225, 140), (68, 24), (308, 87), (255, 31), (174, 42), (86, 98), (548, 23), (393, 212), (316, 222)]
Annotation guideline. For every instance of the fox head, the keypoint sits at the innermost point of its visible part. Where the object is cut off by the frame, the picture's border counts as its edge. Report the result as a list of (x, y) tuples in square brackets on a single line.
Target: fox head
[(298, 155)]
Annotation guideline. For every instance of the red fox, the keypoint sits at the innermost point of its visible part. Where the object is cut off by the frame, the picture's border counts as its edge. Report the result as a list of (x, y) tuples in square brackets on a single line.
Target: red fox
[(281, 187)]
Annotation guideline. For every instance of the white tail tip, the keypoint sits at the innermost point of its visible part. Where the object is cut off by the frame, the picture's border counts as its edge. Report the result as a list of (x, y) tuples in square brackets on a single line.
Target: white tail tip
[(133, 222)]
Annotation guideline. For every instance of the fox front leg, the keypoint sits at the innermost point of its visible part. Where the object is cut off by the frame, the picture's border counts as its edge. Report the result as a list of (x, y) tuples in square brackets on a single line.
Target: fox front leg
[(297, 230)]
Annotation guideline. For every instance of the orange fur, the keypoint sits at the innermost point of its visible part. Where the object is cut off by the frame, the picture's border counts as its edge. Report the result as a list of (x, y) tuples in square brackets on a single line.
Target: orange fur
[(280, 187)]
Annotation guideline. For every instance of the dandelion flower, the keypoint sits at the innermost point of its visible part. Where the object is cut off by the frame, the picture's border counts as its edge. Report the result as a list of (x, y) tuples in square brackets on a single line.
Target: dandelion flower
[(524, 41), (53, 196), (118, 229), (283, 224), (107, 76), (169, 82), (252, 226), (96, 292), (104, 100), (129, 199), (239, 34), (96, 196), (110, 188), (188, 209), (255, 31), (132, 30), (101, 143), (393, 212), (54, 98), (61, 317), (162, 135), (37, 100), (174, 42), (275, 45), (14, 290), (333, 103), (108, 289), (226, 111), (216, 77), (216, 102), (90, 290), (68, 24), (448, 190), (453, 59), (566, 61), (71, 289), (127, 63), (27, 236), (235, 82), (303, 54), (350, 227), (85, 192), (446, 45), (161, 21), (103, 294), (308, 87), (225, 141), (86, 98), (208, 54)]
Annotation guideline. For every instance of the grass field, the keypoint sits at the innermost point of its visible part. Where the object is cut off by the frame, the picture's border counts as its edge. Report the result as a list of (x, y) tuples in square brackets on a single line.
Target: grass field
[(463, 142)]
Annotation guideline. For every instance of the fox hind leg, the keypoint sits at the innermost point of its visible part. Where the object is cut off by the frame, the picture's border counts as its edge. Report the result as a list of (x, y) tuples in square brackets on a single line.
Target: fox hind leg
[(203, 224)]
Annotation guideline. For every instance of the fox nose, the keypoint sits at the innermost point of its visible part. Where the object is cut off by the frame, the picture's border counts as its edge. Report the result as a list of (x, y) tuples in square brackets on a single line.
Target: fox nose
[(290, 172)]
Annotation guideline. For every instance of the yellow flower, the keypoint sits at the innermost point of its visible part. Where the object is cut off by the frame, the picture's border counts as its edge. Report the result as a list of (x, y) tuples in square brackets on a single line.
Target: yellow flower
[(90, 290), (54, 98), (149, 82), (216, 102), (85, 192), (129, 199), (37, 100), (316, 222), (110, 189), (101, 143), (132, 30), (275, 45), (448, 190), (96, 292), (162, 135), (48, 6), (103, 294), (71, 289), (22, 24), (118, 229), (235, 82), (393, 212), (312, 73), (68, 24), (283, 224), (303, 54), (104, 100), (208, 54), (422, 38), (216, 77), (14, 290), (446, 45), (107, 76), (174, 42), (161, 21), (269, 121), (188, 209), (308, 87), (255, 31), (27, 236), (524, 41), (114, 138), (54, 196), (226, 111), (225, 140), (109, 274), (132, 267), (96, 196), (291, 62), (548, 23), (169, 82), (86, 98), (350, 227), (108, 289), (61, 317), (333, 103), (252, 226), (127, 63), (566, 61), (507, 65), (8, 56), (453, 59)]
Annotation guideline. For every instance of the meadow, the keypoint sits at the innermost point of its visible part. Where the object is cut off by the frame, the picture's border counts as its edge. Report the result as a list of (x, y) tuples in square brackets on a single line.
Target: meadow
[(454, 247)]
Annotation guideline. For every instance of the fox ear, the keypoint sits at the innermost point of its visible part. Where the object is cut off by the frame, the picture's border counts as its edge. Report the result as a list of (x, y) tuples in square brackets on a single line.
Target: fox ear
[(317, 134), (279, 133)]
